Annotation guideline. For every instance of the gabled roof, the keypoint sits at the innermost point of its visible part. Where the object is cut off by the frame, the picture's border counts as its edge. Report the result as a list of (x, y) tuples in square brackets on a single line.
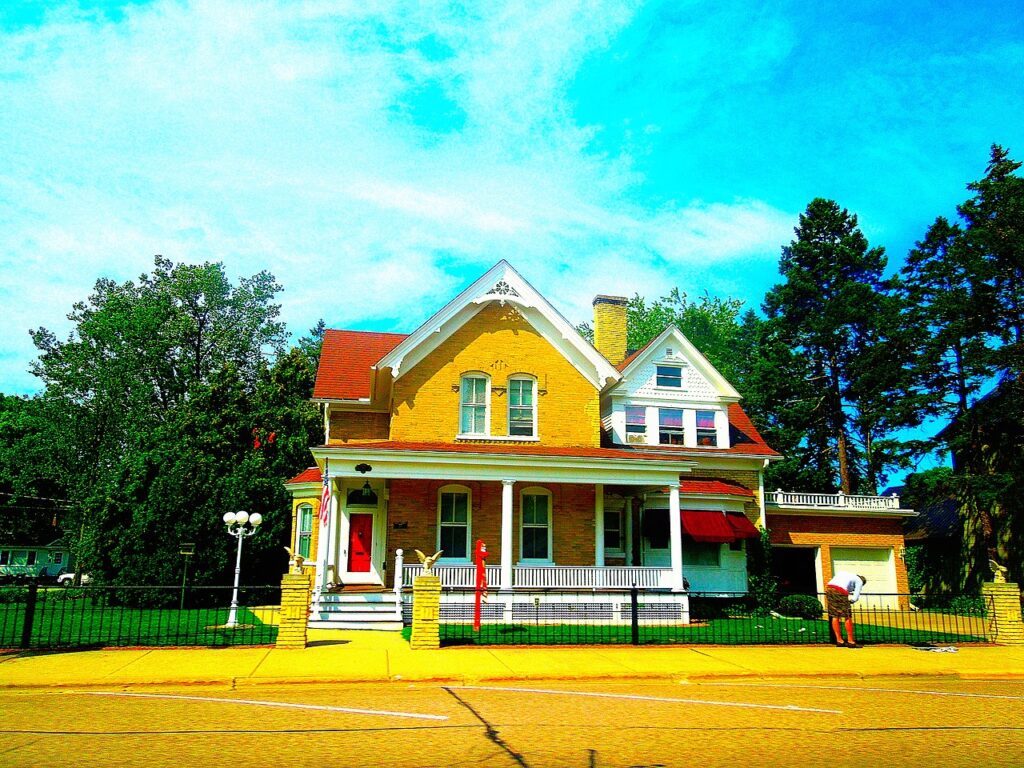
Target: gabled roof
[(346, 362), (690, 353), (743, 435), (311, 475), (501, 283)]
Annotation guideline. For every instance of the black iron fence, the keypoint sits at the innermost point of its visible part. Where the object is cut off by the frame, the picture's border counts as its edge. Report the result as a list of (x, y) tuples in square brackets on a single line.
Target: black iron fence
[(35, 616), (640, 617)]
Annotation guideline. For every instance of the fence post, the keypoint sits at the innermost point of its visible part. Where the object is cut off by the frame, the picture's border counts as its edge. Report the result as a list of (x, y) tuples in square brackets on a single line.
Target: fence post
[(1004, 600), (30, 614), (294, 615), (399, 579), (634, 619), (426, 611)]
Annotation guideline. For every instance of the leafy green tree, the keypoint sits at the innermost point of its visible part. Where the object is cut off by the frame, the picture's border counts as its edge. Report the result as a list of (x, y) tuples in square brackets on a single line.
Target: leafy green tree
[(827, 310)]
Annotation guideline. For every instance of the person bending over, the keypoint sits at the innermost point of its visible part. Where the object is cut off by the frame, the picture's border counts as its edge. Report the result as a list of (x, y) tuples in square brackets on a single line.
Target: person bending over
[(841, 593)]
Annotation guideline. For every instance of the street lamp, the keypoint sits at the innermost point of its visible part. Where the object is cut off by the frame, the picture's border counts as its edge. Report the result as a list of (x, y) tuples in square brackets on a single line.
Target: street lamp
[(235, 522)]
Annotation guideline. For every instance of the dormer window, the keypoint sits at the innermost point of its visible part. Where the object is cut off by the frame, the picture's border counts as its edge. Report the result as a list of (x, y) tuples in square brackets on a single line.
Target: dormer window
[(669, 376), (522, 407), (473, 404), (670, 426)]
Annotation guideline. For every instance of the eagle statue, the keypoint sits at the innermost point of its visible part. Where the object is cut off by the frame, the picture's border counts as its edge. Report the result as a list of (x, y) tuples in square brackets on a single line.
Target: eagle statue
[(428, 562)]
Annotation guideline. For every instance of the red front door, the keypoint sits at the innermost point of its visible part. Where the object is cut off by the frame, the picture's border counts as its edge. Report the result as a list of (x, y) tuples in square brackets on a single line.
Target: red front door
[(360, 539)]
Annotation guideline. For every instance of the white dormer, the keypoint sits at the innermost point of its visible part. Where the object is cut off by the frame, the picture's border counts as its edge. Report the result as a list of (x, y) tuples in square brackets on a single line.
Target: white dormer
[(670, 394)]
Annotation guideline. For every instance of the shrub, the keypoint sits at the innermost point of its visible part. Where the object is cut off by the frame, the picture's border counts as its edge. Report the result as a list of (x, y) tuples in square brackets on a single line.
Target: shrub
[(800, 606)]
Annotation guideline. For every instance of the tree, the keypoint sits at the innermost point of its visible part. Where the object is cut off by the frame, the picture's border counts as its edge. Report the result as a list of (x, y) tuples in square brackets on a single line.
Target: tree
[(827, 310)]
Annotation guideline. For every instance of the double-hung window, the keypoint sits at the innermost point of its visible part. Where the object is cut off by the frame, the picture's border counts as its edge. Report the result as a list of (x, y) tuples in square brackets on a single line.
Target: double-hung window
[(304, 532), (670, 426), (522, 407), (707, 434), (535, 543), (636, 424), (669, 376), (613, 531), (473, 405), (453, 522), (56, 558)]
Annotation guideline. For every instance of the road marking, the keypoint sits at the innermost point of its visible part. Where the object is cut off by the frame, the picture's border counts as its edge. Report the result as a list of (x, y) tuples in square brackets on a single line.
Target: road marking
[(633, 697), (253, 702), (874, 690)]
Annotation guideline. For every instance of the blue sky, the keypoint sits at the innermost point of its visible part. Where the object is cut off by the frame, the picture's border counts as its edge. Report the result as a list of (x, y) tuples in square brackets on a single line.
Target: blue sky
[(376, 157)]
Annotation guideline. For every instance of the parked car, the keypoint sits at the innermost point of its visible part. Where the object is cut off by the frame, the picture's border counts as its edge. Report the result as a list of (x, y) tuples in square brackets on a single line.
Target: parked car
[(68, 579)]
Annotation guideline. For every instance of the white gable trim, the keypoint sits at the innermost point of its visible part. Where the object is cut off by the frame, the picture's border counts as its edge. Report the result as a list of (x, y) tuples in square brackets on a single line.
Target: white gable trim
[(655, 353), (502, 284)]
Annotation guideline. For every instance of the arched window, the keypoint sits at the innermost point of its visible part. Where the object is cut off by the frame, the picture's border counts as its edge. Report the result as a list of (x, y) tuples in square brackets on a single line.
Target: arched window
[(535, 525), (303, 529), (522, 406), (454, 518), (474, 396)]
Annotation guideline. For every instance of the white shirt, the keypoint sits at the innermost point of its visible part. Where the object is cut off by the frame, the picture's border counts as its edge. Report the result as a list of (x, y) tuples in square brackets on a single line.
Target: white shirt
[(850, 582)]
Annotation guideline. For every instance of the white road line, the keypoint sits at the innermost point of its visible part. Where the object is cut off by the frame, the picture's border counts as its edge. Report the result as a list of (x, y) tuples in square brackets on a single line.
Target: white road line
[(874, 690), (632, 697), (253, 702)]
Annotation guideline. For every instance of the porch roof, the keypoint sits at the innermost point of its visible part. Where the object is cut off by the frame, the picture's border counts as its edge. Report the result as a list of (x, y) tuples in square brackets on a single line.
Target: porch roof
[(482, 461)]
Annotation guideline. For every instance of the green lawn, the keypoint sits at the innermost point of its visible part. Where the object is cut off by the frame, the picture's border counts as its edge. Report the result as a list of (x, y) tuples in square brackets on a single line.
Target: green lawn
[(79, 623), (727, 631)]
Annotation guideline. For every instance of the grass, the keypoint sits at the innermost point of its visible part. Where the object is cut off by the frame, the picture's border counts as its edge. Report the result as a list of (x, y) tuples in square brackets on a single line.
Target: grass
[(723, 631), (79, 623)]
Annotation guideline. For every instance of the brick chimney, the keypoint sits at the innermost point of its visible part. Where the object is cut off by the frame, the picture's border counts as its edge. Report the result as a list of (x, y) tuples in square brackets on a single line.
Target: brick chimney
[(610, 327)]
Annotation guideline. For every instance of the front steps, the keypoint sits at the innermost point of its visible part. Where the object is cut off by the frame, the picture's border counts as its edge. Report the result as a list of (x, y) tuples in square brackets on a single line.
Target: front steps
[(356, 610)]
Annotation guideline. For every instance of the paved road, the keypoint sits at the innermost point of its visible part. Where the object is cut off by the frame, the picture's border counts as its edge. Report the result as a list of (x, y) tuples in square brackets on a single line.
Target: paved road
[(905, 722)]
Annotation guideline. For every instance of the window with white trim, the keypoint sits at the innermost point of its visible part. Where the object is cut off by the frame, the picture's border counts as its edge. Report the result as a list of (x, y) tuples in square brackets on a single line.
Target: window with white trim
[(454, 510), (522, 406), (707, 433), (669, 376), (304, 529), (535, 526), (473, 396), (636, 424), (613, 541), (670, 426)]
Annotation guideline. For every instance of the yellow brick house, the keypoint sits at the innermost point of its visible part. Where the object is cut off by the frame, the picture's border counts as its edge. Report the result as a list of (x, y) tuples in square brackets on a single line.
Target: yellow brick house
[(581, 468)]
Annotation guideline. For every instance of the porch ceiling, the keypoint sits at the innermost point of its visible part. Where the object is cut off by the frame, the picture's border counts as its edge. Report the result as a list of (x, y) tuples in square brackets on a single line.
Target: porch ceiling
[(426, 464)]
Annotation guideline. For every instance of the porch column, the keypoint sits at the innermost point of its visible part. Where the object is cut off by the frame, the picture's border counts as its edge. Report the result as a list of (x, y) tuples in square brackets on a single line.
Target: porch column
[(627, 522), (675, 528), (324, 539), (506, 533), (599, 524)]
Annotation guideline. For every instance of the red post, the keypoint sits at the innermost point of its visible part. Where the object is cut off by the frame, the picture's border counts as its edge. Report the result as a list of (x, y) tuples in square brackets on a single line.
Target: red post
[(479, 556)]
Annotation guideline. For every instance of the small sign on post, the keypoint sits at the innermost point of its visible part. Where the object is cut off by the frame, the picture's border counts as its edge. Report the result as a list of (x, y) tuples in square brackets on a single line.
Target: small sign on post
[(479, 557)]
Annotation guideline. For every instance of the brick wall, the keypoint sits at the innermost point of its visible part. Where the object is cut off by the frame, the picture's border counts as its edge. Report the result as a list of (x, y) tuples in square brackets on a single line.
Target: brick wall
[(744, 477), (413, 506), (828, 532), (349, 425), (499, 342)]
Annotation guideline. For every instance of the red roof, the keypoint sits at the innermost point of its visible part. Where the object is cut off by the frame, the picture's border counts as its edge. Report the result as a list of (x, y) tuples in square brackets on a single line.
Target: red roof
[(345, 361), (633, 355), (311, 475), (715, 487), (520, 449), (744, 434)]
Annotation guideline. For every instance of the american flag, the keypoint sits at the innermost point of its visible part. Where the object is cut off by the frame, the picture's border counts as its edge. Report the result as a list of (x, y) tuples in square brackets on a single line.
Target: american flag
[(325, 499)]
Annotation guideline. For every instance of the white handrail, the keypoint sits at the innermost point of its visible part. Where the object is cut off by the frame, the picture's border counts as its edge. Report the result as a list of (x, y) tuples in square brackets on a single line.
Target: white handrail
[(548, 576), (834, 500)]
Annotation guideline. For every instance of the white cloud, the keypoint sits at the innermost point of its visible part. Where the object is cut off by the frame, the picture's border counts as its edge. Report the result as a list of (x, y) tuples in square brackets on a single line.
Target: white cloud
[(266, 135)]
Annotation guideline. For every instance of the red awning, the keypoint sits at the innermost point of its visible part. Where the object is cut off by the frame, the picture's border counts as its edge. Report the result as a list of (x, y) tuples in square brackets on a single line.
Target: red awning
[(702, 525), (743, 528)]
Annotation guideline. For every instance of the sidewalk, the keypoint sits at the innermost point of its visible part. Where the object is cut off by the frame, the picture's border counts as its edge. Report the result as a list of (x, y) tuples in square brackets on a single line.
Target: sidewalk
[(362, 656)]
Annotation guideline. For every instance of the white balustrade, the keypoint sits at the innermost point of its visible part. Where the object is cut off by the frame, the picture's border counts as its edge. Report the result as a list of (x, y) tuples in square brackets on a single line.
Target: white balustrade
[(834, 500), (549, 576)]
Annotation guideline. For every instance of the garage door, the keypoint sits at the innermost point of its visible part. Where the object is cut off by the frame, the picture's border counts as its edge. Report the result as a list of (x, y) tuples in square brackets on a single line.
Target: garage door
[(874, 564)]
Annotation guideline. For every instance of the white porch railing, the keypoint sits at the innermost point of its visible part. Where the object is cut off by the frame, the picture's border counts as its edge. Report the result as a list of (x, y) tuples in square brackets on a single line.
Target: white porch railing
[(833, 500), (549, 576)]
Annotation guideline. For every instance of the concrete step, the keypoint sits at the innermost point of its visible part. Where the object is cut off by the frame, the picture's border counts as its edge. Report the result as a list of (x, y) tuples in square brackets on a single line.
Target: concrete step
[(370, 616), (386, 626), (357, 597)]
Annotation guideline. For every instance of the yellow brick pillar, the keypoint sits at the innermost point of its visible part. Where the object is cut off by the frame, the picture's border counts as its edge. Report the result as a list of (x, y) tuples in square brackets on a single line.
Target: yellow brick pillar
[(426, 607), (1004, 601), (294, 615)]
